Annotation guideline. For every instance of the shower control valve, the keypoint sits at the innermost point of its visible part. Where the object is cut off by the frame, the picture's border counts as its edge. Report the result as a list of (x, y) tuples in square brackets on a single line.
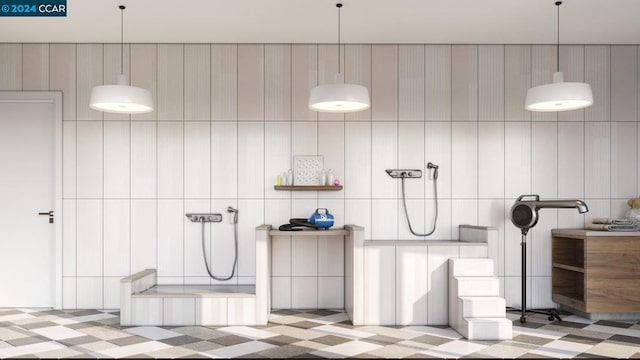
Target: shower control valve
[(204, 217)]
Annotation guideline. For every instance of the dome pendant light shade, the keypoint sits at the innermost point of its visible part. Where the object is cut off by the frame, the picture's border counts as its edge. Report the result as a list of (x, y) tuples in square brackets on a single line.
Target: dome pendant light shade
[(339, 97), (559, 96), (121, 98)]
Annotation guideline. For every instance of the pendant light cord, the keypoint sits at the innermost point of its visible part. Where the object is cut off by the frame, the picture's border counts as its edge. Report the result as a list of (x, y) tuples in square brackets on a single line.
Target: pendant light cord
[(558, 3), (122, 7), (339, 6)]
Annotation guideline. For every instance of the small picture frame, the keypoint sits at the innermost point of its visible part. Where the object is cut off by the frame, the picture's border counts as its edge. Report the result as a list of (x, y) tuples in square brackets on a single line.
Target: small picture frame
[(307, 169)]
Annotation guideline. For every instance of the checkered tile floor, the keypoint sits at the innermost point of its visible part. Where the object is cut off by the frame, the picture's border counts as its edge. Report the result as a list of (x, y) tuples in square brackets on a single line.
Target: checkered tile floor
[(319, 333)]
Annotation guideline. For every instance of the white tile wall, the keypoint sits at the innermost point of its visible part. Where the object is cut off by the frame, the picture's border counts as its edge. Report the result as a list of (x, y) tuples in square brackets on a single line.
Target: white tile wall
[(125, 178)]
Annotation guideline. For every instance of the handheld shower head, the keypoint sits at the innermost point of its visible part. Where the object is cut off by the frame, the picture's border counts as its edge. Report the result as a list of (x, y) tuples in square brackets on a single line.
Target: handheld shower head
[(232, 210), (524, 213), (435, 167)]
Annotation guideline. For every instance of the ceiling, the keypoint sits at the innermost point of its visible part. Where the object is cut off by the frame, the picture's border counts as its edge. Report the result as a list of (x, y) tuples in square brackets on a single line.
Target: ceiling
[(315, 21)]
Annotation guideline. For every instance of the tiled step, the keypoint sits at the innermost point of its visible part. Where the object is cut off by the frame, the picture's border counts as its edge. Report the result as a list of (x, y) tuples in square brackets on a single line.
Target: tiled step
[(481, 307), (471, 267), (477, 286), (488, 329)]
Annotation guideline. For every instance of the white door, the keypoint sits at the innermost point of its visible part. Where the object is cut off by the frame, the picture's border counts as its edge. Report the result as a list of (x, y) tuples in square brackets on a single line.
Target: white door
[(28, 158)]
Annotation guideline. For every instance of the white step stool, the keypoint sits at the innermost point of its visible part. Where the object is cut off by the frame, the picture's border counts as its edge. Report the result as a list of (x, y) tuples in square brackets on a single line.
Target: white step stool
[(476, 309)]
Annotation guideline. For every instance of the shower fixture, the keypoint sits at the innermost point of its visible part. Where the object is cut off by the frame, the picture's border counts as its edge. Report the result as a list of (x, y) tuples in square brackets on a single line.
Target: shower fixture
[(524, 215), (404, 173), (203, 218), (416, 174)]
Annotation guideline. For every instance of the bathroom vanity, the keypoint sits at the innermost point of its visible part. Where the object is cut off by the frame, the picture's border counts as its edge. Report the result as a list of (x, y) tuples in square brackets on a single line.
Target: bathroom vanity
[(596, 274)]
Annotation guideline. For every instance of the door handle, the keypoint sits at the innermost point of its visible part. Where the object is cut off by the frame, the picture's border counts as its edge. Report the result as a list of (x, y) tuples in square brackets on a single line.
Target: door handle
[(49, 214)]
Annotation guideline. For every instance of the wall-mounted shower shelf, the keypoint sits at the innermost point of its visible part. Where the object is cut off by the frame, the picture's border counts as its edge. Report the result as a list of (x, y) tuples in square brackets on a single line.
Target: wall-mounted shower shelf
[(308, 187)]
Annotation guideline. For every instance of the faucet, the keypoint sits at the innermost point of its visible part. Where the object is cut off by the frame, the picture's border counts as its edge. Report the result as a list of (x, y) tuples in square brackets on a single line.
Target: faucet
[(524, 213)]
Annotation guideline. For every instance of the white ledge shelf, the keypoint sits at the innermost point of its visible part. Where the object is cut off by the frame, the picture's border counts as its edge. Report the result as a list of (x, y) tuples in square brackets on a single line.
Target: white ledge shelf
[(308, 187), (334, 232)]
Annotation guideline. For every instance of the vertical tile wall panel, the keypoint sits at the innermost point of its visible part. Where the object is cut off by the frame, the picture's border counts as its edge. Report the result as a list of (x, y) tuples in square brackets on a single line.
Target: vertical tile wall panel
[(491, 82), (62, 76), (388, 210), (277, 155), (250, 82), (437, 149), (89, 160), (197, 82), (571, 149), (304, 75), (143, 235), (464, 211), (384, 149), (69, 159), (304, 292), (224, 82), (437, 295), (330, 73), (517, 161), (11, 66), (494, 212), (330, 256), (224, 159), (543, 65), (411, 285), (464, 160), (464, 82), (197, 159), (572, 65), (89, 245), (304, 256), (379, 288), (143, 159), (540, 238), (624, 83), (69, 293), (357, 162), (251, 160), (544, 160), (113, 65), (170, 82), (384, 82), (117, 242), (68, 237), (491, 145), (517, 80), (116, 159), (111, 292), (35, 67), (411, 144), (624, 160), (89, 293), (597, 160), (357, 70), (253, 216), (144, 74), (193, 263), (170, 242), (277, 82), (437, 60), (304, 139), (597, 65), (331, 144), (411, 82), (171, 159), (89, 73)]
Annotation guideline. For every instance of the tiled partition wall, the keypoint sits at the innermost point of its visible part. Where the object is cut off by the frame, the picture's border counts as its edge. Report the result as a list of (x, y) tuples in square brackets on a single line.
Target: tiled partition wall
[(229, 117)]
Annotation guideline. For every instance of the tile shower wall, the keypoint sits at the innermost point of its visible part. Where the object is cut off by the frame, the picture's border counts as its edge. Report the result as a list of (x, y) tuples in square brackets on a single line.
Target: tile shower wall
[(229, 117)]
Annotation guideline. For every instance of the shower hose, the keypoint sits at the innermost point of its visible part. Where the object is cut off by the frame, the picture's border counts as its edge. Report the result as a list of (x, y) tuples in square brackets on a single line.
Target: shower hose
[(235, 259), (406, 212)]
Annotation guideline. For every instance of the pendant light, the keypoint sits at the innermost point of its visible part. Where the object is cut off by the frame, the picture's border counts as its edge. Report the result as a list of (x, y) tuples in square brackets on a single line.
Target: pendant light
[(339, 97), (559, 95), (121, 98)]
